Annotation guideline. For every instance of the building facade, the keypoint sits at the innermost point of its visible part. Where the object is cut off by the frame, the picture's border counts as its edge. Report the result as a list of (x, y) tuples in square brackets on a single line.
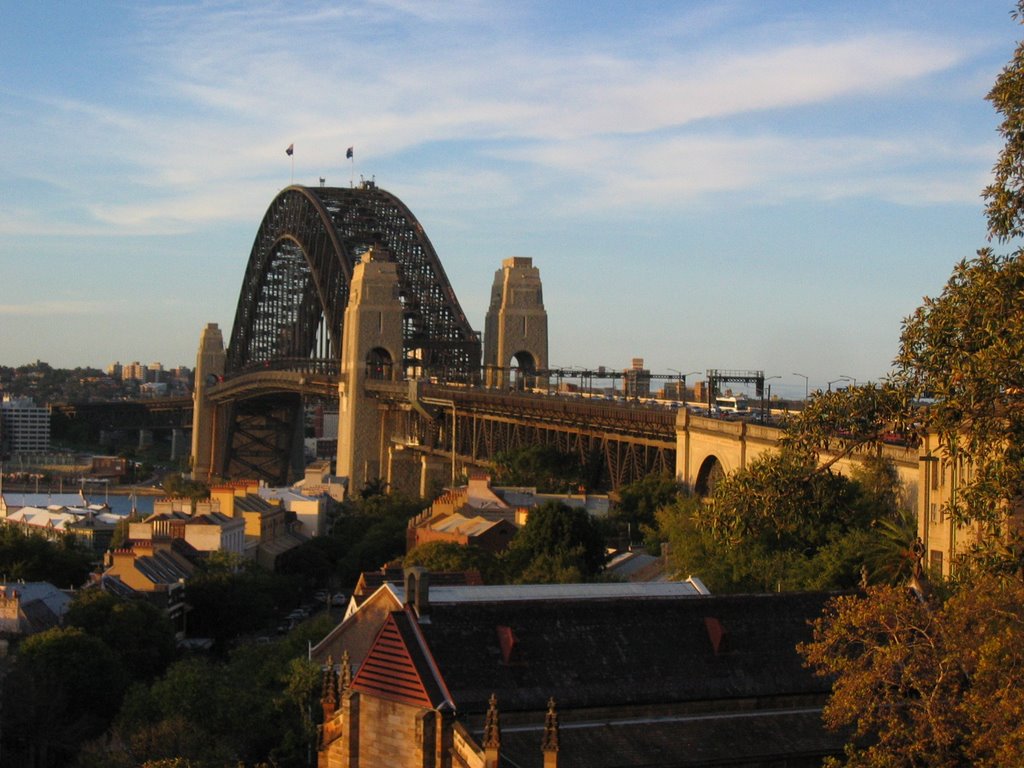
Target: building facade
[(24, 426)]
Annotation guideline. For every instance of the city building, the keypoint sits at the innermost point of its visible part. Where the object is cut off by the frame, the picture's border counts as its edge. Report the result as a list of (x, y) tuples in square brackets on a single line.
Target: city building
[(636, 379), (527, 679), (30, 607), (200, 524), (268, 534), (24, 426), (310, 512), (91, 526), (487, 516)]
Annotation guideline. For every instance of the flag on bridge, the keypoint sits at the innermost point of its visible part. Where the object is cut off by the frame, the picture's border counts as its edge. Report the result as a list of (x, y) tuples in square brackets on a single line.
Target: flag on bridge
[(348, 153), (290, 150)]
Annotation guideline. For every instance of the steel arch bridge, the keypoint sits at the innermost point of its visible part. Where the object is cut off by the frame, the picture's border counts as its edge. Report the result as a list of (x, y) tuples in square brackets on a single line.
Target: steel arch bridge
[(295, 289), (291, 309)]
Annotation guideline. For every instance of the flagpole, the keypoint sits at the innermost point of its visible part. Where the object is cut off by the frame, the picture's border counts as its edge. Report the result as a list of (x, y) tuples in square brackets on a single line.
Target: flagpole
[(292, 156)]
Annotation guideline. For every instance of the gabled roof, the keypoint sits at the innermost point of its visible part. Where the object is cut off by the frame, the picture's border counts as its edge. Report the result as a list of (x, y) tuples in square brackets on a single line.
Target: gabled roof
[(399, 667)]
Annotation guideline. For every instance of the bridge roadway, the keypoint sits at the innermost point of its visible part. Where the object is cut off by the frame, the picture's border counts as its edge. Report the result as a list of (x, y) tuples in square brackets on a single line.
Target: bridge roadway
[(631, 439)]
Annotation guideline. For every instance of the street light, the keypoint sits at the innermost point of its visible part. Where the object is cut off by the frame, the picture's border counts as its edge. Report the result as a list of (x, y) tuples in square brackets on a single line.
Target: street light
[(850, 378), (681, 393), (805, 383), (764, 411), (836, 381)]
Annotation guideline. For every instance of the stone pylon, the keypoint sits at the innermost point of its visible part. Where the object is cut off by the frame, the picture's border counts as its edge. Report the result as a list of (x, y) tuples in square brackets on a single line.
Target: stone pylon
[(210, 360), (371, 349), (516, 327)]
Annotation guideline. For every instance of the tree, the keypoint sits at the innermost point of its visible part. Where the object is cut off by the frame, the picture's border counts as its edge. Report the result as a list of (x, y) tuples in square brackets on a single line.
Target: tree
[(449, 556), (926, 683), (637, 503), (784, 522), (540, 466), (137, 631), (32, 557), (63, 689), (1005, 195), (938, 680), (559, 543)]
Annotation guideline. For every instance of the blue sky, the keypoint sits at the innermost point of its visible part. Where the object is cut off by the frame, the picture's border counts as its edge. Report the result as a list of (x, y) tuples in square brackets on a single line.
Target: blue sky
[(720, 184)]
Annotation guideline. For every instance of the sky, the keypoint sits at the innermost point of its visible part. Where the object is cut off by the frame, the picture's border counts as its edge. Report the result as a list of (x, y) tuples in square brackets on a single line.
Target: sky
[(727, 184)]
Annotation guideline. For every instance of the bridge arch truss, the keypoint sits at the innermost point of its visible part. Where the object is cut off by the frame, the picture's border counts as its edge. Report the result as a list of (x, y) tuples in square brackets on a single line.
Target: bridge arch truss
[(296, 284)]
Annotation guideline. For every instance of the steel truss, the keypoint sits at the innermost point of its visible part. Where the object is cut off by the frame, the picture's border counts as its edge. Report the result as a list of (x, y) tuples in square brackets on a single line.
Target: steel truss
[(293, 296), (629, 442), (291, 309), (265, 438)]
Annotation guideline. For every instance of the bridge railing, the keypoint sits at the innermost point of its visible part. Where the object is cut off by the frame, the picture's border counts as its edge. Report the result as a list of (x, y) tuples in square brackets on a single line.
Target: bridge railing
[(326, 367)]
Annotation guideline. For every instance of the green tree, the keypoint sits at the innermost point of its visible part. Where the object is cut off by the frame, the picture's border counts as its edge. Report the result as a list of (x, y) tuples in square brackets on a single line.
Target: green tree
[(786, 523), (31, 557), (1005, 195), (449, 556), (228, 598), (64, 688), (637, 503), (541, 466), (559, 543), (139, 633), (937, 681)]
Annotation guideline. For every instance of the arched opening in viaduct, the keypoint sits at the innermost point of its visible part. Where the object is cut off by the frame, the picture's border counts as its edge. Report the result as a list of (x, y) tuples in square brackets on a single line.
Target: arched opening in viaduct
[(708, 476)]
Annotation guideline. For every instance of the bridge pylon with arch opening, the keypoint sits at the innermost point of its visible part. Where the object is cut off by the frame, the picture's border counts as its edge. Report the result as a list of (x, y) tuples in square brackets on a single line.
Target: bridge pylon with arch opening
[(371, 349), (516, 326)]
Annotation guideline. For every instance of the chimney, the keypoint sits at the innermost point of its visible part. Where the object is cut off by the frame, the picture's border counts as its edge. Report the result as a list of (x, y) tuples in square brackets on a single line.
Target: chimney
[(417, 589)]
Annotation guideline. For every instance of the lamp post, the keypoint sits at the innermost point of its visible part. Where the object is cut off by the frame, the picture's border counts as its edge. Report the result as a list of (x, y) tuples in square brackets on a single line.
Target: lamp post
[(850, 378), (802, 376), (681, 383), (764, 408), (836, 381)]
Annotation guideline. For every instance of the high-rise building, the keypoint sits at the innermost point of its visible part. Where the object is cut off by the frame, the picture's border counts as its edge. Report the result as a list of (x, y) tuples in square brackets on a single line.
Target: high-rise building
[(24, 426)]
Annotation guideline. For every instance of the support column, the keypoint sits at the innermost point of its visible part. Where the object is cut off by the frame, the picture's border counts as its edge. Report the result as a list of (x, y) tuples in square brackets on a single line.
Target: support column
[(210, 361), (516, 326), (371, 349)]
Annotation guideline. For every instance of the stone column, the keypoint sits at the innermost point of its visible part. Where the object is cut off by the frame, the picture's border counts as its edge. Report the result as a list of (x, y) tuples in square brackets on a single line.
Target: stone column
[(210, 361), (371, 348)]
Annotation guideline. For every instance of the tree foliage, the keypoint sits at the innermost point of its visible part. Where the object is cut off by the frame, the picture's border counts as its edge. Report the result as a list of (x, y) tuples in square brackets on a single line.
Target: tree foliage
[(138, 632), (541, 466), (965, 349), (785, 523), (1005, 195), (255, 707), (32, 557), (926, 683), (938, 681), (63, 689), (558, 544), (452, 557)]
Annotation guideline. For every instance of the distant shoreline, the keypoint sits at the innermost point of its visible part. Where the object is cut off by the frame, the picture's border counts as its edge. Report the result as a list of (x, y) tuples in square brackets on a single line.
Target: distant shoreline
[(91, 492)]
